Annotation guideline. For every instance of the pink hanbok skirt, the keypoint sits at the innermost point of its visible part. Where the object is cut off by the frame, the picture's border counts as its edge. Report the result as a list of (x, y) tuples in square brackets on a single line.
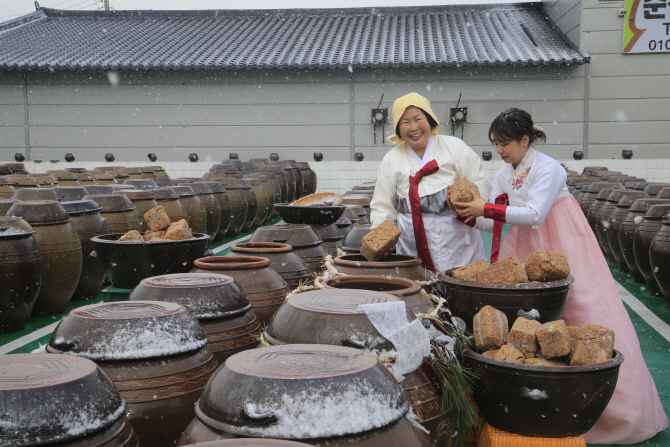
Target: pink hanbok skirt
[(635, 412)]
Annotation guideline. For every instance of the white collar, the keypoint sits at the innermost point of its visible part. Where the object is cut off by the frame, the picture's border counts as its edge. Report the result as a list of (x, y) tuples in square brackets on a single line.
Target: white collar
[(422, 161), (526, 161)]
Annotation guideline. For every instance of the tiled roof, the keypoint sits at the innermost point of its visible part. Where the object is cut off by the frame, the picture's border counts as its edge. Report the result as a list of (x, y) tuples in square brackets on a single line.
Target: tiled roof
[(436, 36)]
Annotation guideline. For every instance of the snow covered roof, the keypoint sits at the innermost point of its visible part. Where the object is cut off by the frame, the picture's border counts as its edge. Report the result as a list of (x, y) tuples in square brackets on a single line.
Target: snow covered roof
[(431, 36)]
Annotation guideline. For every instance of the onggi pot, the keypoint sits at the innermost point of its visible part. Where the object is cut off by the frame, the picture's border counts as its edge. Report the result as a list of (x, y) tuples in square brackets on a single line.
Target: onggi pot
[(644, 235), (6, 189), (283, 260), (88, 222), (155, 353), (616, 218), (217, 301), (221, 197), (195, 209), (304, 240), (402, 266), (60, 250), (118, 211), (602, 220), (238, 203), (265, 289), (212, 207), (659, 255), (308, 178), (263, 200), (20, 273)]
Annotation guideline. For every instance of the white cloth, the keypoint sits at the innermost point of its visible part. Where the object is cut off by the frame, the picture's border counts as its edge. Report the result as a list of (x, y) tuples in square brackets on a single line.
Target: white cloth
[(451, 243), (533, 187)]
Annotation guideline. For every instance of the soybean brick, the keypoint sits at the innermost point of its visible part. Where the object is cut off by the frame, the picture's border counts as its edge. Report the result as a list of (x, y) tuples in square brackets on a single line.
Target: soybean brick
[(379, 241), (509, 354), (490, 329), (554, 339), (574, 332), (154, 235), (178, 231), (157, 219), (543, 265), (522, 336), (461, 191), (507, 271), (132, 235), (470, 272), (491, 354), (595, 345)]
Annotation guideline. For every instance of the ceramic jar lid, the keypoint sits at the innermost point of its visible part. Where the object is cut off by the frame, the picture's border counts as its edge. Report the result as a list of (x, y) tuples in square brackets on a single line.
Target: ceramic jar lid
[(205, 295), (69, 193), (234, 183), (598, 186), (47, 399), (654, 188), (141, 183), (627, 200), (22, 180), (165, 194), (357, 199), (111, 203), (618, 194), (125, 330), (237, 164), (85, 176), (657, 212), (223, 169), (40, 213), (330, 317), (11, 227), (183, 191), (201, 188), (118, 174), (287, 391), (603, 194), (35, 194), (79, 207), (136, 194), (133, 170), (63, 175), (163, 182), (644, 204), (47, 180), (6, 204), (295, 235), (99, 189)]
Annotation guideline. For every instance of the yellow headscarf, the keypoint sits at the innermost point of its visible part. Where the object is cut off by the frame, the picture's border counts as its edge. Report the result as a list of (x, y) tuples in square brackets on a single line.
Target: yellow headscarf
[(399, 107)]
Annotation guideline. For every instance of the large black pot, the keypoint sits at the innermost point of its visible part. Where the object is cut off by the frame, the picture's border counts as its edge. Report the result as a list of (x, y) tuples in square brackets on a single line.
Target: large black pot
[(543, 301), (542, 401)]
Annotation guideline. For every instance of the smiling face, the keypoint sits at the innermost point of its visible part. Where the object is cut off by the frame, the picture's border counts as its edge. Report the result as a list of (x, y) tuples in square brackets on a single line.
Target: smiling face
[(414, 128), (512, 151)]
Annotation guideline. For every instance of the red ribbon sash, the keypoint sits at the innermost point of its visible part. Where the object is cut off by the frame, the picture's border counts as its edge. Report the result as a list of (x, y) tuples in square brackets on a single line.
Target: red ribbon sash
[(417, 219), (497, 212)]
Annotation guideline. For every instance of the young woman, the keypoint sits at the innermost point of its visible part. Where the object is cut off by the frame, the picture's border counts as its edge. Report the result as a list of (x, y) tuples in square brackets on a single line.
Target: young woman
[(529, 193), (412, 182)]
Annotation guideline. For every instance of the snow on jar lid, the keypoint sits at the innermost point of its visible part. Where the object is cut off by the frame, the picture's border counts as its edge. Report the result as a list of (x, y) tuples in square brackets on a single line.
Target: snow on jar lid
[(127, 330), (11, 226), (301, 392), (49, 399)]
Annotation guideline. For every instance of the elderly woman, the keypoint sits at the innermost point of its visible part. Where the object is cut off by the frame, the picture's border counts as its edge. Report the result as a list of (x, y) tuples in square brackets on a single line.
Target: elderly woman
[(411, 188)]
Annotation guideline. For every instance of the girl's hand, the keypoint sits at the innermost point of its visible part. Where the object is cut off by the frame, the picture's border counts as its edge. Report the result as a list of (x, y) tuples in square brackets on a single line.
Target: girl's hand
[(471, 210)]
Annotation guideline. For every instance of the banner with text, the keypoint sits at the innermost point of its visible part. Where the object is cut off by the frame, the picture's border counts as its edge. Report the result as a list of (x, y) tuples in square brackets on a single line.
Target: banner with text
[(647, 26)]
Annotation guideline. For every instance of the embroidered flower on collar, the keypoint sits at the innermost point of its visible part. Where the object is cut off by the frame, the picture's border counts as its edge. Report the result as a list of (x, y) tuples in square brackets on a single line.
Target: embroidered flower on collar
[(517, 182)]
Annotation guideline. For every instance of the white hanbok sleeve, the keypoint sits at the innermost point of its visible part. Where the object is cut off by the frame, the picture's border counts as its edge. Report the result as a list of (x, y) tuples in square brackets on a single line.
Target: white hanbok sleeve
[(382, 206), (547, 183)]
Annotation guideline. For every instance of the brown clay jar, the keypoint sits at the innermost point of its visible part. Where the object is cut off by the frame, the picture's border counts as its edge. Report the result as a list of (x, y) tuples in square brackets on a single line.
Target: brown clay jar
[(86, 179), (253, 206), (118, 211), (263, 200), (143, 201), (217, 301), (155, 353), (401, 266), (70, 193), (272, 195), (5, 205), (616, 218), (592, 215), (659, 256), (602, 221), (212, 207), (195, 209), (331, 237), (88, 222), (6, 189), (635, 217), (35, 195), (65, 178), (120, 176), (644, 235), (20, 273), (22, 181), (135, 173), (278, 172), (283, 260), (221, 197), (45, 181), (60, 250), (265, 289), (344, 225), (61, 401), (308, 178), (290, 180), (304, 240), (297, 175), (580, 189), (238, 205), (105, 179), (407, 290), (221, 171), (147, 172), (169, 200), (652, 189), (159, 172)]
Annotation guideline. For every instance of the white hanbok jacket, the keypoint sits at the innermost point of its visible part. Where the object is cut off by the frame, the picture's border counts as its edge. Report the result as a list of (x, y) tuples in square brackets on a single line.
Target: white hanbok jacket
[(451, 243)]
